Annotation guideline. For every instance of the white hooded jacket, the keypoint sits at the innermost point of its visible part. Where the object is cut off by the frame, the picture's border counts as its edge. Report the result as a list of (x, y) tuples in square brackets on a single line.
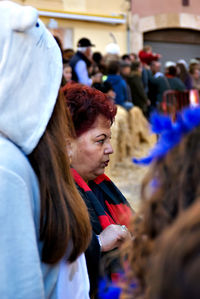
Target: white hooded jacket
[(30, 76)]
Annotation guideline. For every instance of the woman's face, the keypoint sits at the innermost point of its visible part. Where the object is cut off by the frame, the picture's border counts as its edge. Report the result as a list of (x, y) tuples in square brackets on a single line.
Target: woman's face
[(67, 73), (90, 152)]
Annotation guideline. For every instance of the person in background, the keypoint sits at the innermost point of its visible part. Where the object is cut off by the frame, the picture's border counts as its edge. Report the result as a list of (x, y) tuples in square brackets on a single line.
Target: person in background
[(134, 80), (89, 149), (147, 56), (126, 58), (119, 85), (67, 74), (170, 187), (45, 226), (125, 70), (173, 81), (67, 55), (195, 75), (183, 74), (81, 62), (155, 67), (133, 57), (106, 88), (175, 265), (98, 61), (158, 84)]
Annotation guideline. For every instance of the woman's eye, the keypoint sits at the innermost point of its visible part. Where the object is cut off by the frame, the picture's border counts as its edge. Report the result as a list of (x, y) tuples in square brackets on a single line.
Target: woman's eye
[(37, 25), (101, 141)]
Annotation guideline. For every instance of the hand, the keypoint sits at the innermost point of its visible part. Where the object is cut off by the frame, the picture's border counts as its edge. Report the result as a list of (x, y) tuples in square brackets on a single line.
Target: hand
[(112, 236)]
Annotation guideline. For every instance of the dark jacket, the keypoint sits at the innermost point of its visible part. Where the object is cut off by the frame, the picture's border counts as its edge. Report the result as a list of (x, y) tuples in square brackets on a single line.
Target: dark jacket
[(139, 96), (77, 57), (119, 87)]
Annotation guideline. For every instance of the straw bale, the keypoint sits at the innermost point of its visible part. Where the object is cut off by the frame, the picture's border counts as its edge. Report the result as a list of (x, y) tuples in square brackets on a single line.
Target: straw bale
[(139, 128)]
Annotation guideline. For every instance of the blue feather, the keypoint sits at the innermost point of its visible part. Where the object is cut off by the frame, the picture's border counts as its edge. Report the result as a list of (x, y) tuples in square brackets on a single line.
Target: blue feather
[(108, 290), (170, 133)]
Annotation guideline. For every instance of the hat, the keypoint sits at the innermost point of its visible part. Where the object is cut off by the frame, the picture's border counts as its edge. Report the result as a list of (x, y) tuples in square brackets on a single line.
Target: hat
[(182, 61), (113, 49), (170, 63), (194, 61), (84, 42), (30, 75)]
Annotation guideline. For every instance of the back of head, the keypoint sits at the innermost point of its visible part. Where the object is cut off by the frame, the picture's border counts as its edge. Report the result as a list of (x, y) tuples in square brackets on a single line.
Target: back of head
[(172, 70), (113, 67), (176, 261), (135, 66), (147, 48), (170, 187), (86, 104), (30, 74), (97, 57)]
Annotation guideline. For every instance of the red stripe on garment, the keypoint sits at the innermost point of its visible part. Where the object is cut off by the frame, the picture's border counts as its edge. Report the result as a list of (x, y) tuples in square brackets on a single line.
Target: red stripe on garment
[(101, 178), (78, 179), (120, 213), (115, 277), (105, 220)]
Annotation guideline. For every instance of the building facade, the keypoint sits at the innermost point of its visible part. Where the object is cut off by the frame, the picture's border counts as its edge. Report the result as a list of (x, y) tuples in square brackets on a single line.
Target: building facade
[(101, 21), (171, 27)]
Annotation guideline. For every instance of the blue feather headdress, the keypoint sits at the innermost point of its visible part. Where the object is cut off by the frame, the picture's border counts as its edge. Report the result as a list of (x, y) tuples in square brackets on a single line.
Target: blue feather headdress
[(170, 133)]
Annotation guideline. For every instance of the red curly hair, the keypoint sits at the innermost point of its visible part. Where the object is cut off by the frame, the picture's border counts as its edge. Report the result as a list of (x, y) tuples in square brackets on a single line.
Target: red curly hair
[(86, 104)]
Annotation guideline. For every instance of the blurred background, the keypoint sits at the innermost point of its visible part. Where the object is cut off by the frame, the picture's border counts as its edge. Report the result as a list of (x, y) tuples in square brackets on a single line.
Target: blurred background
[(171, 27)]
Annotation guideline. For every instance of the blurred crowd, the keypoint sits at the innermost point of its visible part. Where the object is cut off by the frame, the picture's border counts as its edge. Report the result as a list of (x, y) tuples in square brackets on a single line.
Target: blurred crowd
[(135, 79)]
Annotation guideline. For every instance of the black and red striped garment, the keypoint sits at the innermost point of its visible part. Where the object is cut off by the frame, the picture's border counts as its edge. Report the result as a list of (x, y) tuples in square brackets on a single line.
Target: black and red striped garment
[(106, 204)]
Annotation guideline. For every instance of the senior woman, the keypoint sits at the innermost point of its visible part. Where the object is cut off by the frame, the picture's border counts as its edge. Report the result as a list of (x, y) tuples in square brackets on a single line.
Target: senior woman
[(92, 115)]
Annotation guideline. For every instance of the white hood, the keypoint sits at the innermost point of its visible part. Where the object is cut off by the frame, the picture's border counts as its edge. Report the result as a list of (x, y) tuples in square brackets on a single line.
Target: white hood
[(30, 75)]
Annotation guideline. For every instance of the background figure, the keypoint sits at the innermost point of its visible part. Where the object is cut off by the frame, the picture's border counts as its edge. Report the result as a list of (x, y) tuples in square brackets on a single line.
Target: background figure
[(134, 80), (81, 62), (89, 149), (169, 188), (147, 56), (98, 62), (158, 84), (184, 74), (106, 88), (67, 74), (125, 70), (44, 223), (172, 80), (175, 264), (67, 55), (119, 84), (195, 75)]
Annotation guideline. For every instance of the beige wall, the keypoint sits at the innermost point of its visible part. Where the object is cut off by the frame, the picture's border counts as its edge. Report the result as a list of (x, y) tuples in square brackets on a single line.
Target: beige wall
[(98, 32)]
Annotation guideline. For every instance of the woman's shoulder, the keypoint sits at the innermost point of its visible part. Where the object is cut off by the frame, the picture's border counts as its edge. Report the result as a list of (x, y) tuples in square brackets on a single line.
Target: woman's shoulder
[(15, 162)]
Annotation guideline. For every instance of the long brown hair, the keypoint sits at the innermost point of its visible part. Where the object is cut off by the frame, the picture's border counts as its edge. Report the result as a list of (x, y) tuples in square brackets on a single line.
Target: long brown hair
[(175, 259), (64, 216), (171, 186)]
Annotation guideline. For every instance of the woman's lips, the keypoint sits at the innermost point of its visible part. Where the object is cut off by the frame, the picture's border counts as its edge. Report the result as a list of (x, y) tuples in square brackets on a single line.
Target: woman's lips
[(106, 163)]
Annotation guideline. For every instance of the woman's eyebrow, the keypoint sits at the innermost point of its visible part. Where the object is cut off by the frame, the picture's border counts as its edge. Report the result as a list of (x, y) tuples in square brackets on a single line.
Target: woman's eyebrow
[(101, 135)]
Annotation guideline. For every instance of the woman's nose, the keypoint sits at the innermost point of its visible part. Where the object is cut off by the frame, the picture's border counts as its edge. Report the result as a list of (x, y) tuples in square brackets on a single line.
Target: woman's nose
[(108, 149)]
